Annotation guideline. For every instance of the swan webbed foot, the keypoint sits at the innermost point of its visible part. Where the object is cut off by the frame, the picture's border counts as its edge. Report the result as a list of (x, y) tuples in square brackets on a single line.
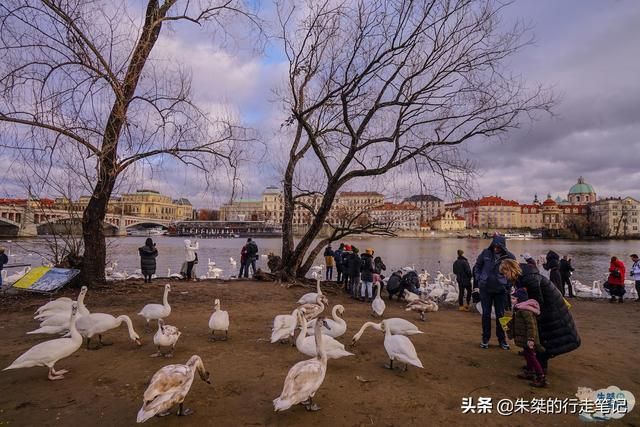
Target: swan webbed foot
[(310, 406), (422, 316), (226, 336), (183, 412), (53, 375), (406, 367), (103, 342), (164, 414), (168, 355), (389, 365), (156, 354)]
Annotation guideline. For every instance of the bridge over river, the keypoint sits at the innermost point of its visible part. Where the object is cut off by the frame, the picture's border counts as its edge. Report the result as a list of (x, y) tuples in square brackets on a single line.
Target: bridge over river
[(26, 221)]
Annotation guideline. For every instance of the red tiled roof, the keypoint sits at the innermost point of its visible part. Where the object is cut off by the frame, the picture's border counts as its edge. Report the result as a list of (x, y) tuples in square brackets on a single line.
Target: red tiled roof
[(359, 194)]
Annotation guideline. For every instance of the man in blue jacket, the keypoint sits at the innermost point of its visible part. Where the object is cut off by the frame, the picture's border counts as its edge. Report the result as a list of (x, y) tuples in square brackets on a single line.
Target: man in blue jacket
[(493, 288)]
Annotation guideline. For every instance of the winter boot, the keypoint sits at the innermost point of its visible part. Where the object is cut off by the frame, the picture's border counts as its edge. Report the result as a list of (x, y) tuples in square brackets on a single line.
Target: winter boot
[(461, 308), (540, 381), (527, 375)]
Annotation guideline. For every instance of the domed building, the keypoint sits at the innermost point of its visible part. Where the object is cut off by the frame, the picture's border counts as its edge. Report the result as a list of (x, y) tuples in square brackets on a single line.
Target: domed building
[(582, 193)]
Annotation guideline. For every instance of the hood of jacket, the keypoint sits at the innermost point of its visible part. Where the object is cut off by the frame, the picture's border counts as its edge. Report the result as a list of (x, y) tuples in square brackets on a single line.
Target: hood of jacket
[(187, 242), (499, 241), (553, 261), (147, 249), (529, 305)]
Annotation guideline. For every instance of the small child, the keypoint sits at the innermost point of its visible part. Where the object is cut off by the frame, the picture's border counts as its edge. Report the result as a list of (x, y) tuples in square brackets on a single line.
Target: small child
[(524, 332)]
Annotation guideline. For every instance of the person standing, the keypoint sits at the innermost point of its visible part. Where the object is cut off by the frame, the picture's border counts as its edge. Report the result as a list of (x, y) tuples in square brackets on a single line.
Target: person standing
[(346, 254), (190, 257), (379, 267), (252, 257), (367, 270), (616, 279), (329, 261), (337, 260), (244, 267), (4, 259), (634, 272), (525, 333), (553, 267), (462, 270), (557, 330), (354, 272), (565, 275), (493, 288), (148, 254)]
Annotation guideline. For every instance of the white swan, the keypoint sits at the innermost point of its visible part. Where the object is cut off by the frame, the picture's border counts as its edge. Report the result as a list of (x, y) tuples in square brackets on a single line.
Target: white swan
[(311, 297), (60, 304), (307, 345), (219, 321), (399, 348), (284, 326), (304, 378), (13, 278), (58, 322), (49, 352), (422, 306), (173, 275), (377, 305), (98, 323), (409, 296), (169, 386), (166, 336), (311, 311), (157, 311), (396, 325), (337, 326)]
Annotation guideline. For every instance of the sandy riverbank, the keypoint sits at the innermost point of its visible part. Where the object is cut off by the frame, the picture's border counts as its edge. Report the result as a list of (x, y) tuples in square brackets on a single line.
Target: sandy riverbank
[(104, 387)]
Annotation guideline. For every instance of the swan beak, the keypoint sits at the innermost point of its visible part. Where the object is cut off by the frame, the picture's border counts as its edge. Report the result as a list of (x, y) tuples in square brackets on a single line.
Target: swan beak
[(207, 377), (138, 342), (326, 325)]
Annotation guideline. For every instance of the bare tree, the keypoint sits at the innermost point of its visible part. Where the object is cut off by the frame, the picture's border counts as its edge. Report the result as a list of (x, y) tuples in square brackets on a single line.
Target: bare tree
[(375, 84), (79, 76)]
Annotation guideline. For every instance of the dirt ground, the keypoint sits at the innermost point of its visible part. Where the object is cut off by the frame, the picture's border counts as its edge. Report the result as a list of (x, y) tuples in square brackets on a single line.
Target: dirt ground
[(105, 387)]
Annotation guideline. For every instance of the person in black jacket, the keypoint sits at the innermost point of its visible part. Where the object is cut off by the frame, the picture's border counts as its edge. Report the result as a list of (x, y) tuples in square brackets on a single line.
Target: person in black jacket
[(337, 258), (553, 267), (565, 275), (394, 284), (557, 330), (493, 288), (367, 270), (148, 254), (462, 270), (355, 265), (346, 254)]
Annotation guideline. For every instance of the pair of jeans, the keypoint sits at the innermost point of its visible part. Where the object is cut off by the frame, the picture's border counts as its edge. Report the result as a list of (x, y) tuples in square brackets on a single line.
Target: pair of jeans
[(243, 269), (497, 301), (533, 365), (339, 275), (329, 275), (566, 280), (252, 263), (367, 287), (461, 289), (355, 284)]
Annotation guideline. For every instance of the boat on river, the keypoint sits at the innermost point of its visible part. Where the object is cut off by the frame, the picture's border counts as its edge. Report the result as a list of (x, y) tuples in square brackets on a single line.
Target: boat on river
[(147, 232)]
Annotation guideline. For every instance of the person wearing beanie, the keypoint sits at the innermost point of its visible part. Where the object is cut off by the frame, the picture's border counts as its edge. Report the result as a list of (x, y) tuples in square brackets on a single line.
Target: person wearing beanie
[(337, 261), (524, 331), (462, 270)]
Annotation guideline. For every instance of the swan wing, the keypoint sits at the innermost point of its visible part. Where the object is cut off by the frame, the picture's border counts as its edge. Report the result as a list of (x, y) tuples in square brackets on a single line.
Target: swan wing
[(401, 348), (302, 381), (308, 298), (46, 353)]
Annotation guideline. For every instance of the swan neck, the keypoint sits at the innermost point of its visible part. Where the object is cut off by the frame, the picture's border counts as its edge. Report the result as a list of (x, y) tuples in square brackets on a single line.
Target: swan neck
[(127, 320), (362, 329), (73, 331), (318, 290), (322, 354), (165, 298), (303, 330)]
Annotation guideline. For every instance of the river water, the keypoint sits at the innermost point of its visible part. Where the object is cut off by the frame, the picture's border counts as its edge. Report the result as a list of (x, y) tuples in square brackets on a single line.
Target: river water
[(589, 258)]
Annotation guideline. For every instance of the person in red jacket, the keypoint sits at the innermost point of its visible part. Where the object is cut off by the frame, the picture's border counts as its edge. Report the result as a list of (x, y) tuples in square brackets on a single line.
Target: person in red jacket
[(616, 279)]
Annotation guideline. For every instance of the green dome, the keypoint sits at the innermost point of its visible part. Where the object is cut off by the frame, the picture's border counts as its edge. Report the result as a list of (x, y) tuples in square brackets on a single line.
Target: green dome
[(581, 188)]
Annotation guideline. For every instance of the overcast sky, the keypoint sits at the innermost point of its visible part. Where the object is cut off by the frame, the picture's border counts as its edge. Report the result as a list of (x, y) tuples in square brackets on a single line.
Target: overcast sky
[(588, 51)]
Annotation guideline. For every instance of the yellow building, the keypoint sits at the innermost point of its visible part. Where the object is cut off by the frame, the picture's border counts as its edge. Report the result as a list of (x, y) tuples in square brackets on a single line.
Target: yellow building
[(152, 204), (448, 221), (242, 210)]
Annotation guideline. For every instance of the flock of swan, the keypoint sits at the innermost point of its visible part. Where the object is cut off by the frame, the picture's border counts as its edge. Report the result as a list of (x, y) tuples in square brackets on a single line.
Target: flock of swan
[(317, 339)]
